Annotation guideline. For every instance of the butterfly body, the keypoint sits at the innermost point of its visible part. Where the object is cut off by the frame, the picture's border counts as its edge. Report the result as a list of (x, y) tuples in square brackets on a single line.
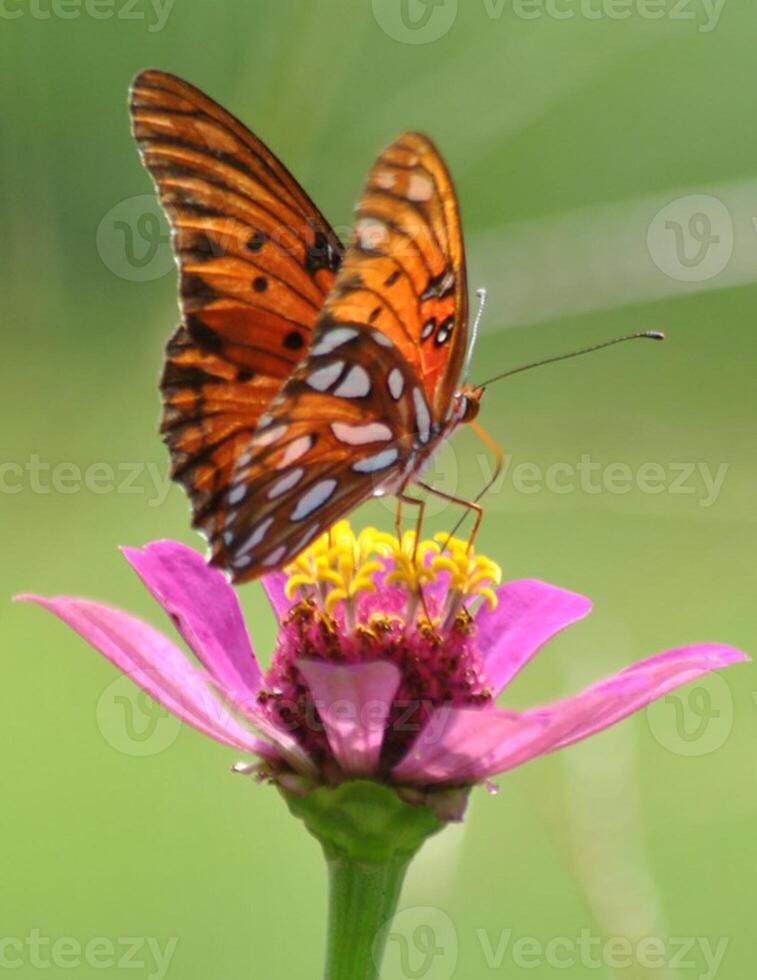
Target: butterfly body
[(305, 377)]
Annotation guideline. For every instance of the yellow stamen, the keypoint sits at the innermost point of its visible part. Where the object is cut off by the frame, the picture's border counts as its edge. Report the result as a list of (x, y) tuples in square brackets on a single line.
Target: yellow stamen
[(471, 575), (340, 565)]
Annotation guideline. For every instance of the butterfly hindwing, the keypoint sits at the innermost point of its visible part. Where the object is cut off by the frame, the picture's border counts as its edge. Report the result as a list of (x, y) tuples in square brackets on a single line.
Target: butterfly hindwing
[(364, 410)]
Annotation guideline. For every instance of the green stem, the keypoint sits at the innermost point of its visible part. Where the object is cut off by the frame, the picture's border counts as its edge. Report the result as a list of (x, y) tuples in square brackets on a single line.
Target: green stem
[(369, 835), (362, 899)]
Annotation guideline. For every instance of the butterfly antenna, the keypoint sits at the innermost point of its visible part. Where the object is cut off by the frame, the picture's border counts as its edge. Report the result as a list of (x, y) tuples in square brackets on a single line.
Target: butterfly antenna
[(646, 334), (481, 294)]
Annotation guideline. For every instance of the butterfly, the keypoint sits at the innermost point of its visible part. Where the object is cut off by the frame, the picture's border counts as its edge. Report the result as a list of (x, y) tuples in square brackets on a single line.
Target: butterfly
[(305, 376)]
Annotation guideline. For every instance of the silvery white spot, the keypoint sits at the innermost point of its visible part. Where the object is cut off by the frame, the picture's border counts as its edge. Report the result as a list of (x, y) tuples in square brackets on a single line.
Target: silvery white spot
[(428, 328), (380, 461), (257, 535), (314, 498), (396, 383), (381, 338), (358, 435), (323, 378), (270, 435), (242, 562), (238, 492), (356, 384), (275, 556), (243, 459), (334, 338), (286, 482), (306, 538), (265, 420), (444, 333), (296, 448), (422, 415)]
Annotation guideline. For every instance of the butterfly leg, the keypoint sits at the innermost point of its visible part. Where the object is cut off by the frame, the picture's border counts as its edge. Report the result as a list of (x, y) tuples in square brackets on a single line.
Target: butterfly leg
[(403, 498), (499, 457), (471, 505)]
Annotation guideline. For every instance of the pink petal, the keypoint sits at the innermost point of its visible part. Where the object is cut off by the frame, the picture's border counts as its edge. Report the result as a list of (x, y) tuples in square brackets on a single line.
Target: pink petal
[(204, 608), (274, 585), (353, 702), (456, 742), (528, 614), (156, 664), (610, 700)]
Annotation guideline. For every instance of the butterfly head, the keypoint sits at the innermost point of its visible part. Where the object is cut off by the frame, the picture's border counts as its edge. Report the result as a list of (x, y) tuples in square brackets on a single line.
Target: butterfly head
[(467, 403)]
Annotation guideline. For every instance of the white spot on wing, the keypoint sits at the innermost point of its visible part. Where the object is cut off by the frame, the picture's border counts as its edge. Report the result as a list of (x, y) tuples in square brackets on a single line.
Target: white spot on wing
[(306, 538), (385, 179), (323, 378), (257, 535), (358, 435), (381, 338), (286, 482), (237, 493), (314, 498), (371, 233), (396, 383), (419, 188), (295, 449), (334, 338), (275, 556), (380, 461), (270, 435), (422, 415), (356, 384)]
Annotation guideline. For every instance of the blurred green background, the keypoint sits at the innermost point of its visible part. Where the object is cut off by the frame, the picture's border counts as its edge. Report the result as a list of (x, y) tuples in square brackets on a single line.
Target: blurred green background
[(605, 155)]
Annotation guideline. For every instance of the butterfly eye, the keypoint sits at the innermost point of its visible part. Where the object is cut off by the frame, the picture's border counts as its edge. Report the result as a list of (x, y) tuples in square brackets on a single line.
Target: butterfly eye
[(470, 407)]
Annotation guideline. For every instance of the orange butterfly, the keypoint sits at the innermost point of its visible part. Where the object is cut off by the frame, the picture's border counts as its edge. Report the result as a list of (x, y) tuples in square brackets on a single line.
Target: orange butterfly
[(304, 377)]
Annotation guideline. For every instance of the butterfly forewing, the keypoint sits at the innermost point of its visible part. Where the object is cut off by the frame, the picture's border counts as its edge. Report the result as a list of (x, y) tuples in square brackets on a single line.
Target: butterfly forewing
[(256, 261)]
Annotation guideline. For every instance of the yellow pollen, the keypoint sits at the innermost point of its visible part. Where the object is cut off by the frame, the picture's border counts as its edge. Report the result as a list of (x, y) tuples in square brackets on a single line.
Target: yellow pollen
[(339, 565)]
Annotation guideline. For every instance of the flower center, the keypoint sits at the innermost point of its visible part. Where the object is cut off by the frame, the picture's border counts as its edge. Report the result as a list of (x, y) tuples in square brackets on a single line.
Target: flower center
[(368, 597)]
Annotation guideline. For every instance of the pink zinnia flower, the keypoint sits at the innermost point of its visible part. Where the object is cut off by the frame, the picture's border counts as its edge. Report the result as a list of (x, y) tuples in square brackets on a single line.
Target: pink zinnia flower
[(362, 684)]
